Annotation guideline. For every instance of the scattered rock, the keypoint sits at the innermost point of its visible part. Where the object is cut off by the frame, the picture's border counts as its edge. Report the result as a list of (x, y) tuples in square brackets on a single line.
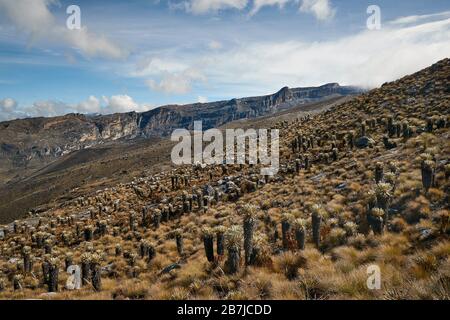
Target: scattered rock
[(364, 142), (170, 267), (425, 234), (318, 177), (341, 186)]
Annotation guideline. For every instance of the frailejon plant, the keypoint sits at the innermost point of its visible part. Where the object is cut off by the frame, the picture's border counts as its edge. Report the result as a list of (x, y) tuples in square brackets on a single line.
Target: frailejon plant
[(392, 175), (249, 213), (179, 241), (27, 259), (378, 172), (143, 248), (208, 242), (316, 219), (102, 226), (88, 233), (363, 129), (133, 222), (145, 210), (383, 192), (52, 269), (96, 272), (48, 245), (45, 269), (220, 236), (428, 174), (406, 130), (351, 139), (131, 259), (233, 240), (300, 232), (335, 154), (350, 228), (388, 144), (68, 260), (430, 124), (85, 268), (286, 222), (118, 250), (259, 252), (376, 220), (151, 252), (156, 218), (17, 282)]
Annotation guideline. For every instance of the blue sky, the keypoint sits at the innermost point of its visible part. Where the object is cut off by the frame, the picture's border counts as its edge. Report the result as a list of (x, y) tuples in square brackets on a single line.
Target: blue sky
[(139, 54)]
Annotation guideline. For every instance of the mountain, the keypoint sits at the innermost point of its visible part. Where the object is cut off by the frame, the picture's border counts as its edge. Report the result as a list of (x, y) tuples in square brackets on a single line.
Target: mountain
[(44, 159), (362, 194), (31, 143)]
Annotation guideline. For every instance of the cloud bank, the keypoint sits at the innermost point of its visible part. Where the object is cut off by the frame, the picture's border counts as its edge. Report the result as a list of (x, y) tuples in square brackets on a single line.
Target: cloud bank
[(366, 59), (205, 6), (222, 69), (321, 9), (35, 19), (10, 109)]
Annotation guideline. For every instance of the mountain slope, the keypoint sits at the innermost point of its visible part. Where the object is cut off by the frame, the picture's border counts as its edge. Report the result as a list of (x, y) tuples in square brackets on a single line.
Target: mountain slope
[(361, 184), (31, 143), (106, 164)]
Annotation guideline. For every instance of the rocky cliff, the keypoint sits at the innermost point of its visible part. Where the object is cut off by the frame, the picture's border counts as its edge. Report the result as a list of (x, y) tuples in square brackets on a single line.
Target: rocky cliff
[(30, 142)]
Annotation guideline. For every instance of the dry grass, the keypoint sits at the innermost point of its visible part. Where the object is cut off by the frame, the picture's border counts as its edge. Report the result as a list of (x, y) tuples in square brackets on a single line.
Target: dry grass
[(412, 251)]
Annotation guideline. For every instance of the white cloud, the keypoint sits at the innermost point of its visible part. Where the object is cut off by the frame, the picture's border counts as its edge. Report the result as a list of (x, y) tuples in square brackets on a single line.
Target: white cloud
[(202, 99), (171, 84), (368, 59), (8, 105), (258, 4), (176, 83), (169, 75), (47, 109), (417, 18), (151, 66), (91, 105), (36, 20), (321, 9), (365, 58), (9, 108), (205, 6), (122, 103)]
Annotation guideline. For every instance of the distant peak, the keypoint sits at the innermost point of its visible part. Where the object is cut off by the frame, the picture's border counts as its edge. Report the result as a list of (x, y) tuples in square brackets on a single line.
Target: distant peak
[(332, 84)]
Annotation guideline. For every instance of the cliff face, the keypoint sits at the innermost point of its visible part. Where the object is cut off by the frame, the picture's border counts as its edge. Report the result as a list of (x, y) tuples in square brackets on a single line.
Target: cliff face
[(23, 142), (30, 142)]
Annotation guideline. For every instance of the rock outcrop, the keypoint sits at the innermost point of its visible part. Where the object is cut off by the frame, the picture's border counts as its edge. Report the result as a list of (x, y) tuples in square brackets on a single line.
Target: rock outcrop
[(28, 141)]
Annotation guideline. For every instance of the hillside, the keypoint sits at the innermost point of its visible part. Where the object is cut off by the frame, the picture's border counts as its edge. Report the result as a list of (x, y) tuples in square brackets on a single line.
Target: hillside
[(30, 144), (85, 171), (364, 182)]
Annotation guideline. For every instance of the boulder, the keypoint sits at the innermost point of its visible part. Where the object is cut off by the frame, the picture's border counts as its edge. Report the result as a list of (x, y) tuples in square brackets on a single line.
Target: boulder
[(364, 142), (170, 267)]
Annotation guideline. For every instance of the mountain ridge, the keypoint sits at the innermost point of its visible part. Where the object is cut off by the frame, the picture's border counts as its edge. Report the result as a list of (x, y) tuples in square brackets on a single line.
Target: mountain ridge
[(27, 142)]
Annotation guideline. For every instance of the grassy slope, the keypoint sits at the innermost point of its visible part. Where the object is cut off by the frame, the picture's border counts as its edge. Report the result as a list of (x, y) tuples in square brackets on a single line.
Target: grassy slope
[(87, 170), (412, 265)]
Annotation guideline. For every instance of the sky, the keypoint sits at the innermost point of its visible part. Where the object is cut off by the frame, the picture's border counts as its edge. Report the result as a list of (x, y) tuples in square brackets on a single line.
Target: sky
[(136, 55)]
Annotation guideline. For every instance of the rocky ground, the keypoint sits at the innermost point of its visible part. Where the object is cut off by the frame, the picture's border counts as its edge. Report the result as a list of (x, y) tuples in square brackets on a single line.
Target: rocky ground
[(364, 183)]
